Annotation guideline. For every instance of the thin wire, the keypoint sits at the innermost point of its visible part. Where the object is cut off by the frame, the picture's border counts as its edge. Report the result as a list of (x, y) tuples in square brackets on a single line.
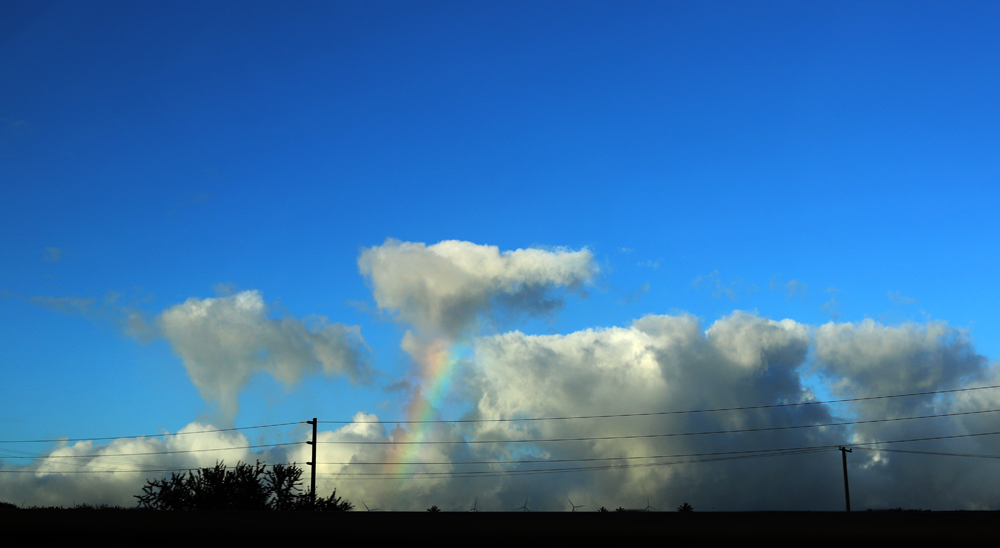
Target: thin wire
[(931, 438), (543, 461), (716, 456), (36, 471), (939, 453), (710, 457), (491, 473), (721, 455), (644, 436), (167, 452), (56, 440), (658, 413), (118, 471)]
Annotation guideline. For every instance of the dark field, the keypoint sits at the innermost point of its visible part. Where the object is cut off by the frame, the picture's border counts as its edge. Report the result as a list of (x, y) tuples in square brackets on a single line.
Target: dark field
[(112, 526)]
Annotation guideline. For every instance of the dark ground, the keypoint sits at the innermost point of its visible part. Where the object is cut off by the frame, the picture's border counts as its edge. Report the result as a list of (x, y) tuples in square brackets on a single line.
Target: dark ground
[(130, 526)]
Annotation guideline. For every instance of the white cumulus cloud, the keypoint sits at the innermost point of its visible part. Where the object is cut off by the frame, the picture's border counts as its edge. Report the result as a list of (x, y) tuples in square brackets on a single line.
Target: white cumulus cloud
[(441, 289), (224, 341)]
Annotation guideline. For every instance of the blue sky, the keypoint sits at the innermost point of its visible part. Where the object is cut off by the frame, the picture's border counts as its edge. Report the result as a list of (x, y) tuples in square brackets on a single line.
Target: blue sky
[(821, 162)]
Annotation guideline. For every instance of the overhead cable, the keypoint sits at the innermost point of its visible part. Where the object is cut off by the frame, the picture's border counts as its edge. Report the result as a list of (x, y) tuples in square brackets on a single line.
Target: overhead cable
[(659, 413), (938, 453), (534, 471), (646, 436), (57, 440), (164, 452)]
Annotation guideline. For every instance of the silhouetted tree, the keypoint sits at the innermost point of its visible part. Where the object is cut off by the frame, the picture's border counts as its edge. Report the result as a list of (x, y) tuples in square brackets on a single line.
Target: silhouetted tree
[(685, 508), (434, 509), (284, 484)]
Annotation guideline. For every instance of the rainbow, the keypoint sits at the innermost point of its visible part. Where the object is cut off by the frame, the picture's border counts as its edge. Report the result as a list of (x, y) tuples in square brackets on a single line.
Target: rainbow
[(437, 368)]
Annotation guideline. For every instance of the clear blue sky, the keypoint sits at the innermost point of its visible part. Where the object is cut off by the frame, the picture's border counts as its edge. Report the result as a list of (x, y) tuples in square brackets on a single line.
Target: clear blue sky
[(805, 160)]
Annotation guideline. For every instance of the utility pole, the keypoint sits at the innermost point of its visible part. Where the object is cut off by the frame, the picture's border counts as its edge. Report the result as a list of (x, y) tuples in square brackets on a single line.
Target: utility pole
[(312, 463), (847, 490)]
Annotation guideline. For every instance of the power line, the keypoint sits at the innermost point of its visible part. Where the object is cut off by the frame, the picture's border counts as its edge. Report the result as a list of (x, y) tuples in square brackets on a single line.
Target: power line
[(94, 471), (493, 473), (716, 456), (860, 445), (646, 436), (56, 440), (587, 459), (528, 419), (543, 440), (929, 438), (692, 458), (143, 470), (659, 413), (938, 453), (164, 452)]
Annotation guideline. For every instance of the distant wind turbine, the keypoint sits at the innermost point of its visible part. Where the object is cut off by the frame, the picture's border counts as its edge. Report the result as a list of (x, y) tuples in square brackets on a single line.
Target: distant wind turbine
[(525, 506), (473, 509), (648, 507), (369, 509), (575, 506)]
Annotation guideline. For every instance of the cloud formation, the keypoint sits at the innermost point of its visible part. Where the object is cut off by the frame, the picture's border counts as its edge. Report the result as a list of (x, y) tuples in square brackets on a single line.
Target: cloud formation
[(734, 289), (899, 299), (657, 363), (52, 254), (441, 289), (794, 289), (869, 358), (128, 317), (634, 296), (226, 340)]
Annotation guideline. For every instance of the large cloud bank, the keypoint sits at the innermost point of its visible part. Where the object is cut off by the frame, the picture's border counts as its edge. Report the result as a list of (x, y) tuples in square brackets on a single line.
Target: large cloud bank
[(658, 363), (225, 341), (662, 363)]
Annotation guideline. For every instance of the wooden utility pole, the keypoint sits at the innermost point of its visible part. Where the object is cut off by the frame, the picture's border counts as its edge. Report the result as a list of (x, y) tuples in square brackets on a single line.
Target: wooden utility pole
[(847, 490), (312, 464)]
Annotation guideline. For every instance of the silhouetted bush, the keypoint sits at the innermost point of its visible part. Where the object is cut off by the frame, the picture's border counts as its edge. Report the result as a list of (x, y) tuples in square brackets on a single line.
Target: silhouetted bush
[(685, 508), (333, 503), (245, 487)]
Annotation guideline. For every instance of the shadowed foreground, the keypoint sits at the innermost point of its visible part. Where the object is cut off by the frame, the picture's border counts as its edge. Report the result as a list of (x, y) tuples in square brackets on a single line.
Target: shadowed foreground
[(124, 525)]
